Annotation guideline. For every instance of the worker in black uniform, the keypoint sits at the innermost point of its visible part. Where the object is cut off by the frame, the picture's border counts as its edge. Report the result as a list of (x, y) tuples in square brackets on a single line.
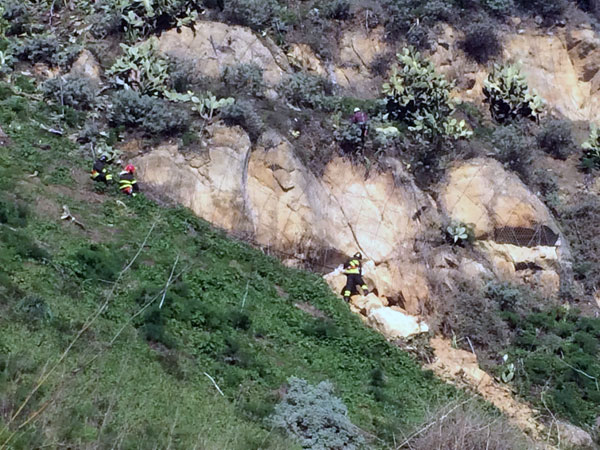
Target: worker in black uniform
[(353, 272), (100, 170)]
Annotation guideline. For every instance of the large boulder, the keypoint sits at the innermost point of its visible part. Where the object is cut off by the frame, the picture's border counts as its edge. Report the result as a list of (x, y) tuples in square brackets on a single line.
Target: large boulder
[(212, 46), (209, 182), (514, 230), (395, 324)]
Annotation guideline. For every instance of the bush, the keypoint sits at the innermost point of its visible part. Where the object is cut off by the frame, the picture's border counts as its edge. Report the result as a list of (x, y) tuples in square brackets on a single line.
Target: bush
[(34, 309), (419, 96), (481, 42), (242, 113), (591, 156), (17, 14), (244, 79), (45, 48), (314, 416), (475, 316), (468, 427), (13, 214), (548, 10), (151, 114), (555, 139), (580, 220), (513, 149), (97, 262), (22, 244), (255, 14), (76, 92), (509, 96), (305, 90), (337, 10), (499, 7)]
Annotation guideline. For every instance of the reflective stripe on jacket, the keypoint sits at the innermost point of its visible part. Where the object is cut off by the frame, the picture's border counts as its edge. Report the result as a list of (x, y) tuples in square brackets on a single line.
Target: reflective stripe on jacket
[(352, 267)]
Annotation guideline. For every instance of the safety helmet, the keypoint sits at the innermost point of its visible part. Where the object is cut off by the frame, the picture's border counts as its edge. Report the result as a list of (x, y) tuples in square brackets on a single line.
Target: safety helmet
[(129, 168), (103, 158), (357, 255), (357, 109)]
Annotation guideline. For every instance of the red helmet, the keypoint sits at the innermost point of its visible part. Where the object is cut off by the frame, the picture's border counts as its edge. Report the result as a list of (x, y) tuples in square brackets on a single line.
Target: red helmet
[(129, 168)]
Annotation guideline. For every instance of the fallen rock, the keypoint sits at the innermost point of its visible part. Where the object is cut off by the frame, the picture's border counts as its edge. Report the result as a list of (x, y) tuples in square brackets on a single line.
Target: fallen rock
[(366, 304), (572, 435), (394, 324), (515, 232)]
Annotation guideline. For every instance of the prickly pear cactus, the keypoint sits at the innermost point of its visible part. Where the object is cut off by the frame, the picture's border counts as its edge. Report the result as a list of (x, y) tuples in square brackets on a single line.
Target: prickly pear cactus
[(420, 96), (509, 96)]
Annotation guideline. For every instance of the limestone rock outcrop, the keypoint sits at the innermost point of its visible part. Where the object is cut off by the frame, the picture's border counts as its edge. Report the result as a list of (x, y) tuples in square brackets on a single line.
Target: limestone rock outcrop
[(86, 65), (514, 230), (212, 46)]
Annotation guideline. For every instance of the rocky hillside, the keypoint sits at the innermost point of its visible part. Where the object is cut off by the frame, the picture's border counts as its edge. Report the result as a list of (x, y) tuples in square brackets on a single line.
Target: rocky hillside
[(473, 198)]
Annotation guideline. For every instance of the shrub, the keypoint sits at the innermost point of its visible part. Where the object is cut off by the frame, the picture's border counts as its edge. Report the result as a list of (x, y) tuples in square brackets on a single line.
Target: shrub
[(548, 10), (244, 78), (76, 92), (555, 139), (317, 418), (513, 149), (242, 113), (17, 14), (509, 96), (45, 48), (499, 7), (419, 96), (97, 262), (141, 68), (591, 148), (22, 244), (467, 427), (337, 10), (34, 309), (255, 14), (305, 90), (151, 114), (349, 136), (13, 214), (481, 42), (580, 220)]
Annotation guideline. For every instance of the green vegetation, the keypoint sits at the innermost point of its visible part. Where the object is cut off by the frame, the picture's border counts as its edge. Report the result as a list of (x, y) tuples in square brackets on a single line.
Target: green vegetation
[(419, 96), (553, 350), (316, 417), (193, 302), (591, 148), (509, 97)]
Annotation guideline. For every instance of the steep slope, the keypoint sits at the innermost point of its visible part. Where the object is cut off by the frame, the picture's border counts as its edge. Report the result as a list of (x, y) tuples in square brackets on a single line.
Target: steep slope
[(123, 328)]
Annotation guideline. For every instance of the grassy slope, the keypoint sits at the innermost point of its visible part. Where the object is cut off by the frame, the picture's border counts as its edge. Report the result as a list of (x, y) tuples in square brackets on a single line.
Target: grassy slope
[(149, 387)]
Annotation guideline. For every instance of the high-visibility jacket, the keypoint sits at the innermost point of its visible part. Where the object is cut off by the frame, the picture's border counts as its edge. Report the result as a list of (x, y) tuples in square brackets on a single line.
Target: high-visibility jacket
[(353, 266), (98, 168), (127, 181)]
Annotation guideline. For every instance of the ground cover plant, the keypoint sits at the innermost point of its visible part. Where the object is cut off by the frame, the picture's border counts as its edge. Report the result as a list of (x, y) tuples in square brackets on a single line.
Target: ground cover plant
[(193, 304)]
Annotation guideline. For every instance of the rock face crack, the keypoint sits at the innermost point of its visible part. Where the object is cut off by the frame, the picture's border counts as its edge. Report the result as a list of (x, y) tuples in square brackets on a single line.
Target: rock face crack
[(349, 224)]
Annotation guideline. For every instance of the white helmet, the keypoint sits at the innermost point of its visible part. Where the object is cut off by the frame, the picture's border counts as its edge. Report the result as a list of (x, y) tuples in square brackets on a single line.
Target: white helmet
[(357, 109)]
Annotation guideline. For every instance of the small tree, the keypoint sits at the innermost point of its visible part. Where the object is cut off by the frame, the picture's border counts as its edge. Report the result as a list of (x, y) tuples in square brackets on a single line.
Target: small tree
[(420, 96), (317, 418), (509, 96)]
